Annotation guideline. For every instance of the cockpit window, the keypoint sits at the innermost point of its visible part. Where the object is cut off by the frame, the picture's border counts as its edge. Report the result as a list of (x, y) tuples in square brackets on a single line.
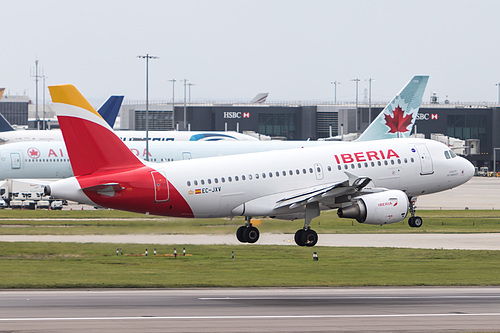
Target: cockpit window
[(447, 155), (452, 154)]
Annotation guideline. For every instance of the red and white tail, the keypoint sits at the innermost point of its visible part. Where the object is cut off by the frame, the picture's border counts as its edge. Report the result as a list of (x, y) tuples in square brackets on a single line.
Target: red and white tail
[(92, 145)]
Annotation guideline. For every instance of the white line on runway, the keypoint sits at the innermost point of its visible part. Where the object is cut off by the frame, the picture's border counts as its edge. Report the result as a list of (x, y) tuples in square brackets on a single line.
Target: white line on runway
[(284, 298), (409, 315)]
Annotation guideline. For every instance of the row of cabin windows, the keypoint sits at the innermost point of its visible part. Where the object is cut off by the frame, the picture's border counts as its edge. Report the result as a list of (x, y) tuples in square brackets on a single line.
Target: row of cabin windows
[(47, 160), (297, 172), (378, 163)]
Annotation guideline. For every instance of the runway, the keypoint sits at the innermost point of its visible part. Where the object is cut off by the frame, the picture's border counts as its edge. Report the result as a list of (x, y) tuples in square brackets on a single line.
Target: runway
[(253, 310), (486, 241)]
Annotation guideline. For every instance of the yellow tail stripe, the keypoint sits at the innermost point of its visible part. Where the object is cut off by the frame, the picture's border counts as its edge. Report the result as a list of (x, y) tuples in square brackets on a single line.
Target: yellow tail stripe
[(68, 94)]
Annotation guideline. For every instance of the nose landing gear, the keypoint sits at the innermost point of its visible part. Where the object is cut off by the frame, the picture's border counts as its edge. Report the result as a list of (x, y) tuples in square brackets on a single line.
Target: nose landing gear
[(414, 221)]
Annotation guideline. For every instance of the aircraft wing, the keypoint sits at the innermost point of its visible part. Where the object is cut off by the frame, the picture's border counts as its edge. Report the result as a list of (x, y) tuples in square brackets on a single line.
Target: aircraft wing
[(352, 185)]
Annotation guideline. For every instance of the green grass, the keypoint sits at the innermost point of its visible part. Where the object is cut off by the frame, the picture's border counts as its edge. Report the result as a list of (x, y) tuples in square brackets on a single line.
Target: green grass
[(18, 222), (68, 265)]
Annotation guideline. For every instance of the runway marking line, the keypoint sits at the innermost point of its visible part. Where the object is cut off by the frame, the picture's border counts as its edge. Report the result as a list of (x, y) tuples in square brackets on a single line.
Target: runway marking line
[(410, 315)]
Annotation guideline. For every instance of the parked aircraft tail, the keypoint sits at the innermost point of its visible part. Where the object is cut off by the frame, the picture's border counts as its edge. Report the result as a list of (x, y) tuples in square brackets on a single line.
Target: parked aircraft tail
[(398, 117), (260, 98), (109, 110), (85, 147)]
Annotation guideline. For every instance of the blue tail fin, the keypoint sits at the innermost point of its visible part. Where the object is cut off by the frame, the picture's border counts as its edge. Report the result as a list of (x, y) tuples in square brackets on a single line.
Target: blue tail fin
[(5, 126), (398, 117), (109, 110)]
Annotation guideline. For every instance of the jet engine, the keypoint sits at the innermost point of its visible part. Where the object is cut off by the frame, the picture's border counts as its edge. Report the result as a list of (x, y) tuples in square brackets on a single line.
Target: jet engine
[(377, 208)]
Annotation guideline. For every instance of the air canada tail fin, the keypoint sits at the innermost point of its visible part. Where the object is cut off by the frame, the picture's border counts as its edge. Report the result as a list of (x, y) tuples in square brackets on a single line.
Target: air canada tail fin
[(109, 110), (91, 143), (398, 117)]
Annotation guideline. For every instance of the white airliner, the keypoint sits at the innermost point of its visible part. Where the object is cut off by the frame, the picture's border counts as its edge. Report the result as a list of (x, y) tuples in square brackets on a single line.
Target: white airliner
[(40, 159), (373, 182)]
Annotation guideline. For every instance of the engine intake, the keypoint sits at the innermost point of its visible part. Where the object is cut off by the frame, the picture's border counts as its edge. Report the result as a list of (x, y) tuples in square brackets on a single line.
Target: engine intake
[(377, 208)]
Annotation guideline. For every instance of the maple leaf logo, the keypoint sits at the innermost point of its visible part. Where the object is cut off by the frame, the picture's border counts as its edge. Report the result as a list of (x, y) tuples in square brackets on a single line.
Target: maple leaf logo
[(33, 153), (399, 121)]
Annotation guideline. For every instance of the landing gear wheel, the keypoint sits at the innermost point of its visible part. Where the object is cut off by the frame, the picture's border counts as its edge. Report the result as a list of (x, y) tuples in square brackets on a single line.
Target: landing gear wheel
[(251, 234), (417, 222), (309, 237), (298, 237), (240, 234)]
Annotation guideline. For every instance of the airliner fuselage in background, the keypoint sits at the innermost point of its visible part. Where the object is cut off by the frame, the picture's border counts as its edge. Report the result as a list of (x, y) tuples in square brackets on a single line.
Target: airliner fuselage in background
[(39, 159), (371, 182)]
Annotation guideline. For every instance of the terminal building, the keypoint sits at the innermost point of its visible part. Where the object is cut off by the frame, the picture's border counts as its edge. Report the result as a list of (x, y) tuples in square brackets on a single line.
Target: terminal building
[(476, 124)]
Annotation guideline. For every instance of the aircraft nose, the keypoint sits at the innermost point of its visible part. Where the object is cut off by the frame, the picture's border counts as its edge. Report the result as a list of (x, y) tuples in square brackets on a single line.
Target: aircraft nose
[(468, 169)]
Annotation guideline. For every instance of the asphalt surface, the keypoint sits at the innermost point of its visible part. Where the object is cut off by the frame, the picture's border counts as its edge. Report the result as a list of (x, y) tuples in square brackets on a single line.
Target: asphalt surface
[(490, 241), (253, 310)]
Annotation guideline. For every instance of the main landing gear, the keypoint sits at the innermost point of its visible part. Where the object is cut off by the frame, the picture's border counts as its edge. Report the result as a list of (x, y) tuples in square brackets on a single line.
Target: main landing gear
[(414, 221), (247, 233), (307, 236)]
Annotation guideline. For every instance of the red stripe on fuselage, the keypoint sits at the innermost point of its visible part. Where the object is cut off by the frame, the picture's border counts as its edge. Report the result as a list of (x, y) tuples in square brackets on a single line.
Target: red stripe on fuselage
[(138, 194)]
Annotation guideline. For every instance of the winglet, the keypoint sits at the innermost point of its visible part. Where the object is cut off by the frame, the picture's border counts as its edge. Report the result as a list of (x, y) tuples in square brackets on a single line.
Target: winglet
[(91, 143), (109, 110), (398, 117)]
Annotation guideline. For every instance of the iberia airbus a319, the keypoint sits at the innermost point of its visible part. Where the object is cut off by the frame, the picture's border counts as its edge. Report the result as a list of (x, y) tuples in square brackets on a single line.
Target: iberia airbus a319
[(374, 182)]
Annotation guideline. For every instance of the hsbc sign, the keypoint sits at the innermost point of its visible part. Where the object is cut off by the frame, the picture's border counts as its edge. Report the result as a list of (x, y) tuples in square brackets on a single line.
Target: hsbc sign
[(427, 116), (236, 115)]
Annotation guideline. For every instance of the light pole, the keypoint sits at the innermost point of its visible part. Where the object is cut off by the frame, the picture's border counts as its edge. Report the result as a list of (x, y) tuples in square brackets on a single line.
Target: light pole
[(36, 76), (147, 57), (498, 84), (356, 80), (185, 124), (335, 95), (44, 121), (173, 101), (190, 84), (370, 100)]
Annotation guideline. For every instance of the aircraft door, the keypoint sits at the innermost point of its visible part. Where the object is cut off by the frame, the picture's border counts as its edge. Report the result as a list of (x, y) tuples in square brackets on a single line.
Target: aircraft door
[(318, 170), (426, 167), (15, 160), (186, 155), (161, 186)]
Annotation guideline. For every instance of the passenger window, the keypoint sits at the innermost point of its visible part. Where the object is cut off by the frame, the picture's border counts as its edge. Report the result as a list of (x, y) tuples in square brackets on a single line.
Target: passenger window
[(412, 160), (270, 175), (330, 168), (406, 160), (249, 177), (372, 164), (311, 170), (188, 183), (379, 163), (297, 171), (284, 173), (209, 181), (195, 182), (263, 175), (223, 180), (399, 161), (304, 171), (277, 174), (290, 172), (256, 176), (346, 166), (202, 182), (236, 178), (392, 162), (359, 165), (352, 166), (339, 167), (242, 177), (229, 179), (216, 180), (385, 162)]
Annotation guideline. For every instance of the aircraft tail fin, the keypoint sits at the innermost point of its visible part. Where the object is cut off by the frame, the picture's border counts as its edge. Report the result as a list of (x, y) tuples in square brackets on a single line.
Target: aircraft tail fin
[(109, 110), (85, 131), (396, 120), (5, 126), (260, 98), (2, 90)]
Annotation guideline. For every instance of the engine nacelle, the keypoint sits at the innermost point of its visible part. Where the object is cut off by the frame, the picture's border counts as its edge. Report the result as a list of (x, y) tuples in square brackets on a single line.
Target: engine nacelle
[(378, 208)]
